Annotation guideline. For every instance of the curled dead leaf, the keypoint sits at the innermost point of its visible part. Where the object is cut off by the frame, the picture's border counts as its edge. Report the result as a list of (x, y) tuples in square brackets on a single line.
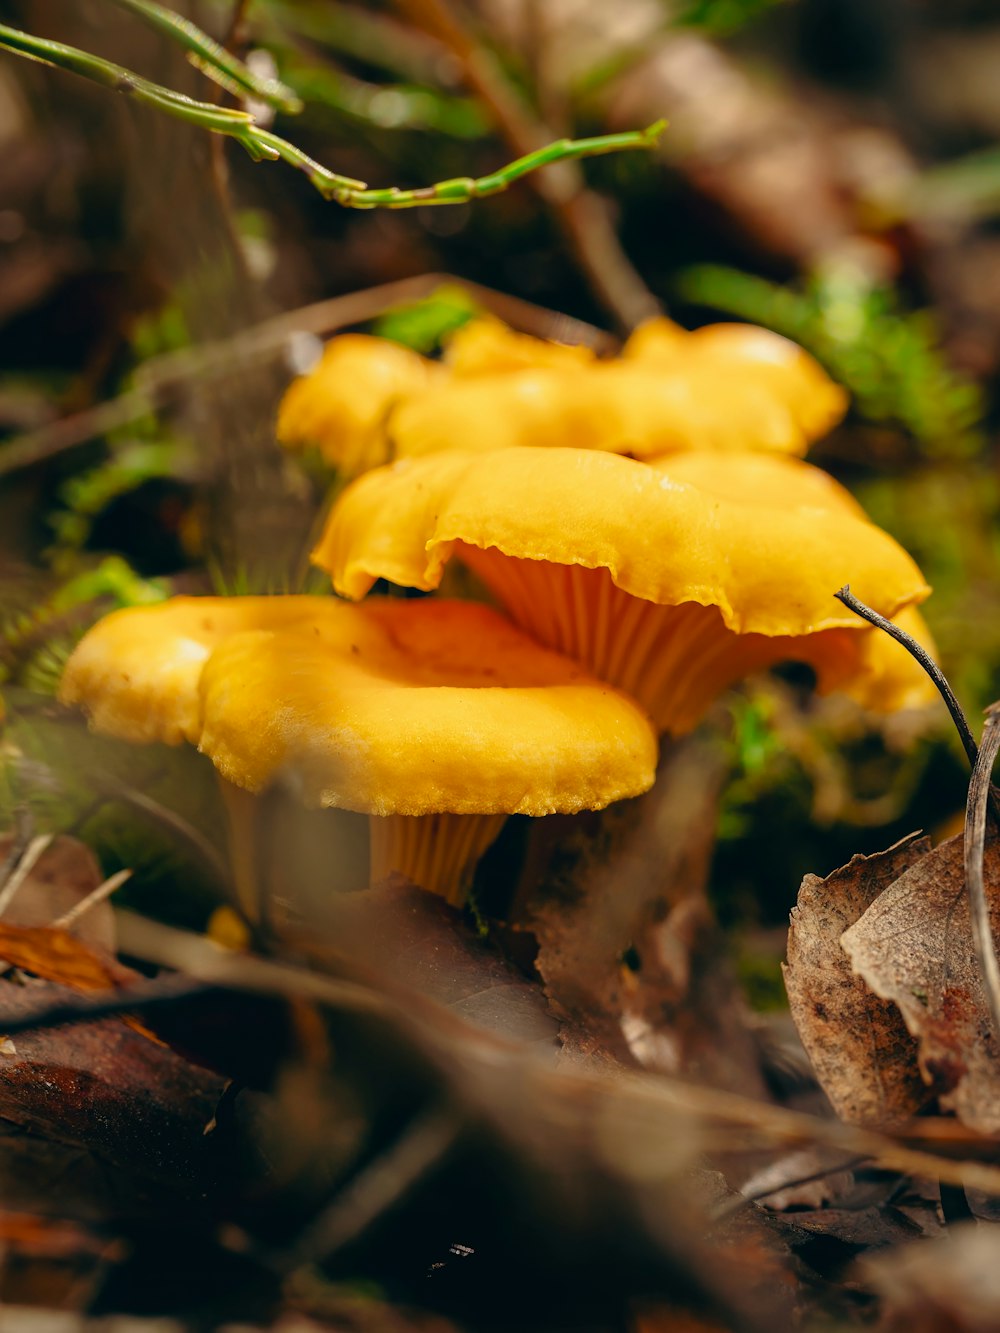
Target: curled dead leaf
[(55, 955), (860, 1049), (914, 948)]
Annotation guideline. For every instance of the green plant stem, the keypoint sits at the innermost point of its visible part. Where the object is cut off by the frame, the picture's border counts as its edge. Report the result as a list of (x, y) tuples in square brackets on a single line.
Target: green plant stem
[(261, 143), (211, 59), (464, 188)]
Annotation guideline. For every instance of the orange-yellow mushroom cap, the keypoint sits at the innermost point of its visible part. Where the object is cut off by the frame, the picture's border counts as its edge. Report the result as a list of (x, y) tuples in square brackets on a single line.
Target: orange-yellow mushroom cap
[(769, 562), (725, 388), (740, 354), (136, 672), (669, 581), (437, 718), (339, 406), (486, 345), (419, 707)]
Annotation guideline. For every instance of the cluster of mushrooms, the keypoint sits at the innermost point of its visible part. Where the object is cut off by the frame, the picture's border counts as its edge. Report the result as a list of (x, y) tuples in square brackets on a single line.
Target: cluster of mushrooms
[(645, 526)]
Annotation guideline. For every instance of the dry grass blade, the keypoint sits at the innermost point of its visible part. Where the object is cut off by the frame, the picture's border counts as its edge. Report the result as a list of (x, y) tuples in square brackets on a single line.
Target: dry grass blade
[(156, 378), (99, 895), (32, 855), (491, 1066), (975, 846)]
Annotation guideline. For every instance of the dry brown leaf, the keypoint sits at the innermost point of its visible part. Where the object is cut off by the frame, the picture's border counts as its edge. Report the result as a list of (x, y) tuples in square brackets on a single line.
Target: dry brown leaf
[(55, 955), (952, 1283), (628, 947), (861, 1052), (913, 946), (104, 1088)]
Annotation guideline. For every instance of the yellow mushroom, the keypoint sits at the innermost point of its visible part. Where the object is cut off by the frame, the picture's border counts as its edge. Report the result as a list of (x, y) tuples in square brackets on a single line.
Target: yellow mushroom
[(723, 388), (739, 355), (136, 672), (486, 345), (437, 719), (659, 579), (340, 406)]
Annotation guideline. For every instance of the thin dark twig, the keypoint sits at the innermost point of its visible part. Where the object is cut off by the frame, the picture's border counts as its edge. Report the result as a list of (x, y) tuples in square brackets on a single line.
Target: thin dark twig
[(372, 1193), (926, 661), (158, 377), (741, 1201), (975, 846), (141, 998)]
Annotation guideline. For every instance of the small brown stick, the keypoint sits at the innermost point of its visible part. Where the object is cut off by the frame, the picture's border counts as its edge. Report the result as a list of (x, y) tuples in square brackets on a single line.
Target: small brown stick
[(98, 895), (33, 853), (377, 1187), (580, 213), (156, 378), (975, 846)]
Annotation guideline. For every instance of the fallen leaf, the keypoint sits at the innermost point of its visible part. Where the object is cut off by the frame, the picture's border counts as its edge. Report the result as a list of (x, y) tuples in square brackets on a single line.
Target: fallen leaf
[(628, 946), (103, 1087), (953, 1283), (861, 1052), (913, 947), (414, 939), (55, 955)]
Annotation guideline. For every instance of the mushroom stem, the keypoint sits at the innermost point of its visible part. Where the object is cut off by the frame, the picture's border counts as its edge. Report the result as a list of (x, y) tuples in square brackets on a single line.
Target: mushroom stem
[(674, 660), (242, 823), (439, 852)]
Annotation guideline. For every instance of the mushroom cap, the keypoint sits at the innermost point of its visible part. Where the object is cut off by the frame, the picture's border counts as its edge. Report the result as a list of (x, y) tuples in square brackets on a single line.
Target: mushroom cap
[(621, 406), (760, 479), (486, 345), (135, 673), (417, 707), (663, 394), (340, 405), (770, 558), (736, 351)]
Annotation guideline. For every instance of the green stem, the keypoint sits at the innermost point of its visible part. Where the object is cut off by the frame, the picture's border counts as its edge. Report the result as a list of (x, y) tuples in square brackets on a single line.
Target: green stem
[(261, 143), (239, 124), (464, 188), (212, 59)]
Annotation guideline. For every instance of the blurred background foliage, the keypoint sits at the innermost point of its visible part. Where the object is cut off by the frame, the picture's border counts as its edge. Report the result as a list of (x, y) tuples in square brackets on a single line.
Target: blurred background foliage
[(830, 171)]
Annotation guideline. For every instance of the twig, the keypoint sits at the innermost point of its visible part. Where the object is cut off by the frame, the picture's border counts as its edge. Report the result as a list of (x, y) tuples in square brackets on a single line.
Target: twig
[(261, 143), (940, 680), (33, 853), (486, 1057), (212, 59), (581, 214), (98, 895), (424, 1142), (742, 1200), (143, 997), (161, 374), (975, 846), (463, 189), (926, 661), (23, 825)]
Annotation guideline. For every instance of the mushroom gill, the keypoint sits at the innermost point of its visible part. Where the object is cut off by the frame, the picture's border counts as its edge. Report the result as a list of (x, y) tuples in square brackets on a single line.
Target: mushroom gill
[(671, 581)]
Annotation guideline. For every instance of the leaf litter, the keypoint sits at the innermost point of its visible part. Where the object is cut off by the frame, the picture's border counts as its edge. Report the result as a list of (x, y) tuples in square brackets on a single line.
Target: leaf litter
[(400, 1072)]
